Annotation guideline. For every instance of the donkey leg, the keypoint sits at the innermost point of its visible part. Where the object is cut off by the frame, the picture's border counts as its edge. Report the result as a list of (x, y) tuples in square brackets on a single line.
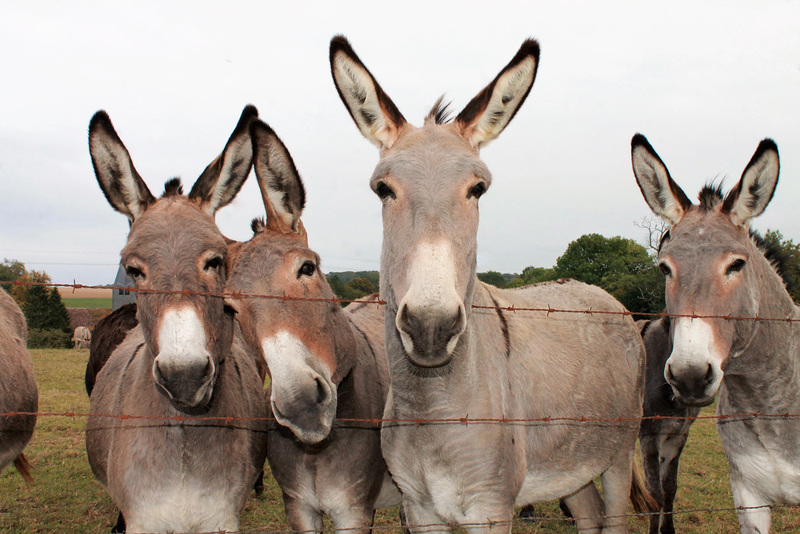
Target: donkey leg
[(671, 453), (301, 516), (616, 492), (757, 515), (652, 474), (420, 518), (355, 519), (586, 508)]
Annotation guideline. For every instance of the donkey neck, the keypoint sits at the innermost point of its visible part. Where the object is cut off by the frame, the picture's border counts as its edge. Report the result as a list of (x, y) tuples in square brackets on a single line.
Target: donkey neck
[(768, 366)]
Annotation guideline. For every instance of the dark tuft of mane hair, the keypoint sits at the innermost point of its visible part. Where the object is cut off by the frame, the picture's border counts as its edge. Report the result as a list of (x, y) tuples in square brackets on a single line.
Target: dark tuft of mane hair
[(173, 188), (258, 224), (440, 113), (710, 196), (775, 256)]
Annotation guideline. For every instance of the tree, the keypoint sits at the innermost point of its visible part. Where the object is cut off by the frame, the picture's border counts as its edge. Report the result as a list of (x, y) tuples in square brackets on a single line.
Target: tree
[(787, 258), (44, 310), (493, 277), (27, 283), (655, 228), (362, 286), (620, 266), (536, 275), (11, 271)]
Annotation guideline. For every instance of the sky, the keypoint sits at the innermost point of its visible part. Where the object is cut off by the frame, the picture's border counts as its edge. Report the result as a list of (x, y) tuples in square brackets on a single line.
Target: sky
[(704, 81)]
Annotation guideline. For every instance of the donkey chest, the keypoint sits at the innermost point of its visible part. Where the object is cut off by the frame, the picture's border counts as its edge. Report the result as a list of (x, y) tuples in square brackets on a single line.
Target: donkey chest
[(453, 468)]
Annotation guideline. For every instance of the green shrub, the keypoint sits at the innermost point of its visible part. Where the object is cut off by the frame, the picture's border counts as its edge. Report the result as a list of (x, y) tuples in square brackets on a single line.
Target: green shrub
[(49, 339)]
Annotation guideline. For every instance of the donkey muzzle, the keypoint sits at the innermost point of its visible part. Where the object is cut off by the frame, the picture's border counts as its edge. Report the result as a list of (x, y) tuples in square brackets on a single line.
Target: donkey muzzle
[(187, 384), (430, 335)]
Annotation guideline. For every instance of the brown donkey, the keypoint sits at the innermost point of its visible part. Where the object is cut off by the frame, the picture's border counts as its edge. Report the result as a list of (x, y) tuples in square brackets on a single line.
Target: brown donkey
[(324, 361), (182, 360), (715, 269), (18, 392), (448, 360)]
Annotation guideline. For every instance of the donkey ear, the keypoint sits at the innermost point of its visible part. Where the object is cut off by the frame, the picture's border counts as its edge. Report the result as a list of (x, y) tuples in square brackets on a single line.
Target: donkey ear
[(755, 189), (121, 184), (493, 108), (224, 177), (660, 191), (370, 107), (280, 183)]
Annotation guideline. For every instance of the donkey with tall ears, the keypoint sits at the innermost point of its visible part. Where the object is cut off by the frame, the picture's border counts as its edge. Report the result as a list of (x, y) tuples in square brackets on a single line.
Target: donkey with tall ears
[(171, 468), (715, 270), (450, 361), (324, 361)]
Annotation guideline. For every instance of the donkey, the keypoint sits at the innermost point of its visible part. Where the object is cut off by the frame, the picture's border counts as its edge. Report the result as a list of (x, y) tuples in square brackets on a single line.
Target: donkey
[(109, 332), (82, 337), (18, 392), (450, 361), (325, 362), (184, 360), (661, 439), (715, 269)]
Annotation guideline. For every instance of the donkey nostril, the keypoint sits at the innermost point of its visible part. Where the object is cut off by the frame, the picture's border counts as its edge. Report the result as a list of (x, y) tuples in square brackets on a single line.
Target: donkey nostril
[(322, 392), (709, 376)]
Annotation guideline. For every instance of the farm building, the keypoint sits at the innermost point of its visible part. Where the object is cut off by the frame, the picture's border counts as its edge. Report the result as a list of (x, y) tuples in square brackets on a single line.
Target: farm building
[(120, 297)]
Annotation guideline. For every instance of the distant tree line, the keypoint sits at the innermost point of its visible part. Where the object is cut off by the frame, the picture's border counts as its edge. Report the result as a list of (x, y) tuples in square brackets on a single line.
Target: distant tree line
[(47, 317), (350, 285)]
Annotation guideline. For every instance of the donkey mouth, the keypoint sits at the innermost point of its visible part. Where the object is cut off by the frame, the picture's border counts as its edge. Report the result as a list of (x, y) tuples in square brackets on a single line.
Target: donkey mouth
[(191, 404)]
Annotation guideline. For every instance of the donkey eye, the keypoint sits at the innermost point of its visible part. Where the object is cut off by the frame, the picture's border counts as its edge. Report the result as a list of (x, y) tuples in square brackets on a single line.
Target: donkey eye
[(384, 191), (477, 190), (735, 267), (134, 273), (213, 264), (665, 269), (307, 269)]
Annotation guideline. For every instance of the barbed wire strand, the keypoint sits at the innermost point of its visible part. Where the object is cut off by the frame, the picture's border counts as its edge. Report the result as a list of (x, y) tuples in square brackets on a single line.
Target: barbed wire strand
[(527, 521), (286, 298), (415, 422)]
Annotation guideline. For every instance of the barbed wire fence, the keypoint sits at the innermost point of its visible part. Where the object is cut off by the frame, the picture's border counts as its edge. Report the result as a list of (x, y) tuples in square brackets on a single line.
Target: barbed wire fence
[(377, 423)]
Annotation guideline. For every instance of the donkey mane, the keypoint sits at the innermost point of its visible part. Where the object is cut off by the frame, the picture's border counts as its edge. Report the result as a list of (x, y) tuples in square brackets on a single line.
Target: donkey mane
[(710, 196), (440, 113), (258, 224), (173, 188)]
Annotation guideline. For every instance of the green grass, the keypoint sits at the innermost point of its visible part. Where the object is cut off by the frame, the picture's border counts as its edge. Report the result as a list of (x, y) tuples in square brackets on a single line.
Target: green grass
[(65, 498), (87, 303)]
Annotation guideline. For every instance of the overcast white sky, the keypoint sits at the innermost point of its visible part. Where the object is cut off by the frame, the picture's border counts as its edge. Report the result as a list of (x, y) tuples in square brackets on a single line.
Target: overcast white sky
[(704, 81)]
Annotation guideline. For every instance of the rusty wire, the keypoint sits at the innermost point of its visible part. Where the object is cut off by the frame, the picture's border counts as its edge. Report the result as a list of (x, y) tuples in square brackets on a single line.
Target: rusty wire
[(378, 422), (285, 298)]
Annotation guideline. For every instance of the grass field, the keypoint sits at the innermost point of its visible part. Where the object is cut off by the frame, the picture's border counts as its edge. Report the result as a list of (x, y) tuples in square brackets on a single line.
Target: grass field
[(104, 303), (66, 499)]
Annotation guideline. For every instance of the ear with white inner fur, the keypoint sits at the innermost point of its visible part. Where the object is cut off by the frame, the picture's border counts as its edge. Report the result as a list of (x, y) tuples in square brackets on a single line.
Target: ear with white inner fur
[(370, 107), (755, 189), (118, 179), (660, 191), (281, 187), (221, 181), (493, 108)]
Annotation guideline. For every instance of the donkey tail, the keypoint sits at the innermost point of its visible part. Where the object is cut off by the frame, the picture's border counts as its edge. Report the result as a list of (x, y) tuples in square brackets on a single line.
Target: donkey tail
[(641, 499), (24, 467)]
